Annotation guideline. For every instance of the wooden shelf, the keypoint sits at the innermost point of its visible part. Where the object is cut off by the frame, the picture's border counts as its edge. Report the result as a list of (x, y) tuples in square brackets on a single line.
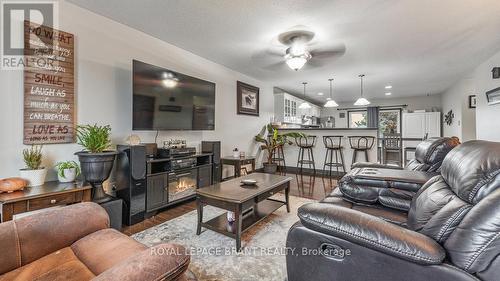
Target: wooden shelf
[(259, 212)]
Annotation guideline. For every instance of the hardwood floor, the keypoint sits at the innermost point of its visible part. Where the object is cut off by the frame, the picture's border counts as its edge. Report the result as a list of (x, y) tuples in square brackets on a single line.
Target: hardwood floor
[(311, 187)]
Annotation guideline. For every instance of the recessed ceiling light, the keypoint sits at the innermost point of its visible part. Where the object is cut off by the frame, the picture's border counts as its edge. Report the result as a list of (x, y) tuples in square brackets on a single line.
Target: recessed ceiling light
[(320, 94), (388, 87), (388, 94)]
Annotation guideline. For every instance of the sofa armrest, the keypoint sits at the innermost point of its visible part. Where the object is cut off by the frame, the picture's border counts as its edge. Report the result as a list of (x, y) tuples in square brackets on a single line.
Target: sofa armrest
[(161, 262), (374, 165), (40, 234), (371, 232)]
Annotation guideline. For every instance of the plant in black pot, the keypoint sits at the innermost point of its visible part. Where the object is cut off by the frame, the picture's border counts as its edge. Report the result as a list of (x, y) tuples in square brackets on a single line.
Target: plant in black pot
[(272, 141), (96, 160)]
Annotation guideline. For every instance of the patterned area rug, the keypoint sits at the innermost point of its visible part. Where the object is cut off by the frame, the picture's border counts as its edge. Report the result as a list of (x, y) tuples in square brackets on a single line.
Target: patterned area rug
[(213, 255)]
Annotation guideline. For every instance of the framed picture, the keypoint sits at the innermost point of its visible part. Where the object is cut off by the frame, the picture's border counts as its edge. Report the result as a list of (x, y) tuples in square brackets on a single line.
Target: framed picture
[(247, 99), (493, 96), (472, 101)]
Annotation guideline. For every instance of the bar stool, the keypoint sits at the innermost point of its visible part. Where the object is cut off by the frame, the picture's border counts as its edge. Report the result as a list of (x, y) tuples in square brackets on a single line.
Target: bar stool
[(361, 144), (306, 143), (279, 158), (333, 145)]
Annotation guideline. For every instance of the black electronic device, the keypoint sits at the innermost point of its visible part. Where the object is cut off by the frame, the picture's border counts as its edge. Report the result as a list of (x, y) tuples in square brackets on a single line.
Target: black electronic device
[(214, 147), (167, 100), (176, 152)]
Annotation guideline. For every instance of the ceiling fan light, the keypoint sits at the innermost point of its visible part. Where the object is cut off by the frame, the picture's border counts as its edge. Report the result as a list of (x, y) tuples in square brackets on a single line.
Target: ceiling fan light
[(304, 105), (296, 63), (331, 103), (362, 101)]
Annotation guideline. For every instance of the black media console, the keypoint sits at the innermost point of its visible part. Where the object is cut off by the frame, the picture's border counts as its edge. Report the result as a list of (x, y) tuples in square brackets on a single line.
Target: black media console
[(149, 184)]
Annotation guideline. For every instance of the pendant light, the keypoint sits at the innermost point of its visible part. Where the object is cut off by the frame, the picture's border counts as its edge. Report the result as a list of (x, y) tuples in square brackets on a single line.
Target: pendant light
[(362, 101), (304, 104), (330, 102)]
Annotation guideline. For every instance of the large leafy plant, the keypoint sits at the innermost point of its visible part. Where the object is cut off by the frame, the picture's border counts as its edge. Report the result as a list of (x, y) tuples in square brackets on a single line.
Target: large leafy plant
[(94, 138), (33, 157), (271, 139)]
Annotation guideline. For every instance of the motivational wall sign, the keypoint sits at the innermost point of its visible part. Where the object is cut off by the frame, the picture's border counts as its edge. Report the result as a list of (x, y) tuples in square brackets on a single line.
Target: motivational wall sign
[(49, 89)]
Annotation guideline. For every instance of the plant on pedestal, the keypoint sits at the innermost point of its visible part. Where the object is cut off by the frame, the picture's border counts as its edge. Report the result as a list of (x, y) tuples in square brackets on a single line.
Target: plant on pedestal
[(33, 173), (96, 161), (272, 141)]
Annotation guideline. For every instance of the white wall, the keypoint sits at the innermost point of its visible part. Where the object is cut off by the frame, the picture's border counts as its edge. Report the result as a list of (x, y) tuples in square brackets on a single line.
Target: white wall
[(104, 50), (456, 99), (485, 119), (487, 116), (430, 102)]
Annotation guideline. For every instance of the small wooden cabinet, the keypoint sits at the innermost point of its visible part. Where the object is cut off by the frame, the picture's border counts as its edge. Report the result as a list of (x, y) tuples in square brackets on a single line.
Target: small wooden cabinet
[(157, 191), (48, 195)]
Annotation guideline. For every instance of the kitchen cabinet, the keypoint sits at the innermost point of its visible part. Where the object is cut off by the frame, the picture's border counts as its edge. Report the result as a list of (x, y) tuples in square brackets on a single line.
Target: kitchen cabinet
[(286, 109), (418, 124)]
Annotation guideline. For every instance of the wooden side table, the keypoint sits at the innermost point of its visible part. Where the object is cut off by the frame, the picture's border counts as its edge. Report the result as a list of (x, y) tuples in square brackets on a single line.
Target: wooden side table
[(237, 162), (50, 194)]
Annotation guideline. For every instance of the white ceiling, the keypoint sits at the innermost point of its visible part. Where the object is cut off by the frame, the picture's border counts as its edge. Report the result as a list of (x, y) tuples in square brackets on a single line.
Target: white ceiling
[(418, 46)]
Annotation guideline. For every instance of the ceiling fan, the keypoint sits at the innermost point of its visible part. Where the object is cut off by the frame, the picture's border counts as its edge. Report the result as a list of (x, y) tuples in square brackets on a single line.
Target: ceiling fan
[(296, 48)]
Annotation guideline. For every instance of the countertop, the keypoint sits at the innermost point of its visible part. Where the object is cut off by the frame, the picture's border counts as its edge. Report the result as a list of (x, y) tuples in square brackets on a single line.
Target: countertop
[(328, 129)]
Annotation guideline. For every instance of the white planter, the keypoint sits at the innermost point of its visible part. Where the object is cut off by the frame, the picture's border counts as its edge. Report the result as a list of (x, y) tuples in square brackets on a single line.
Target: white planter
[(69, 175), (34, 177)]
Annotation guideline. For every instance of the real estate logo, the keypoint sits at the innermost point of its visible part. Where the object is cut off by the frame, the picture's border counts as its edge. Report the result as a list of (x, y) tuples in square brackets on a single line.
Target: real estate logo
[(13, 14)]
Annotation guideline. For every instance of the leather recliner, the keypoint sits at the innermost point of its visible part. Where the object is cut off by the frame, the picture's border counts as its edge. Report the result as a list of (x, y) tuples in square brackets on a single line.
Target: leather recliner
[(451, 232), (76, 243), (396, 192), (429, 155)]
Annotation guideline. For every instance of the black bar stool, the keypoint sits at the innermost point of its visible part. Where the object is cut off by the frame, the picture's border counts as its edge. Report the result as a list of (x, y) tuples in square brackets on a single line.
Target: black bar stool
[(361, 144), (333, 145), (306, 143), (279, 158)]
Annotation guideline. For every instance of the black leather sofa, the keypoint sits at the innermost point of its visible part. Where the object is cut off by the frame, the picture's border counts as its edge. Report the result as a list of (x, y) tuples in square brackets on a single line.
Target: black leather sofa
[(429, 155), (364, 184), (451, 232)]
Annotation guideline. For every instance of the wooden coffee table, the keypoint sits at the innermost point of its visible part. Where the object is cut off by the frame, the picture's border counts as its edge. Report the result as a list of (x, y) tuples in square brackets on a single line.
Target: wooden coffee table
[(250, 204)]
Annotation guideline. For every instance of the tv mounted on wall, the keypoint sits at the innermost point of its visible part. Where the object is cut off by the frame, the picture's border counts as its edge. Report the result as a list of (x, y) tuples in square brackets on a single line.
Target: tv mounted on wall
[(167, 100)]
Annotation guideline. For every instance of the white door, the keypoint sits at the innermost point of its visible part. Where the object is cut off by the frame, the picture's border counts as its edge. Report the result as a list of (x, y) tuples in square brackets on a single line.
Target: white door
[(433, 124), (414, 125)]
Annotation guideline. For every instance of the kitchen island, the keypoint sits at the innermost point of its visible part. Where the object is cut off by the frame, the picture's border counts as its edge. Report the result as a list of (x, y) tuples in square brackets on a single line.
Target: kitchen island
[(292, 151)]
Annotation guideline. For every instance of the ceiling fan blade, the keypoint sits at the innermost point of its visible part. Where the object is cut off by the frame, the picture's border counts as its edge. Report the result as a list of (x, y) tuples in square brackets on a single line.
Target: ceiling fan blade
[(335, 51), (276, 66)]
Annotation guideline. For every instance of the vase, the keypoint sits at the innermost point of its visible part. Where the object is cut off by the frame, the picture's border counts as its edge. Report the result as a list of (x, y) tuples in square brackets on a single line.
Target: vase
[(69, 175), (33, 177), (96, 168), (270, 168)]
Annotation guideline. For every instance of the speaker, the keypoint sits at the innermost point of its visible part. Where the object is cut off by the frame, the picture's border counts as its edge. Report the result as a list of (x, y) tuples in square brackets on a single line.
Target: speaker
[(131, 182), (214, 147), (114, 210)]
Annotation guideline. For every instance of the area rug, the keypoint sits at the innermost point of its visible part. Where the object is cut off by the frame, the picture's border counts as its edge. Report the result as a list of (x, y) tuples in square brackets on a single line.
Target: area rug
[(213, 256)]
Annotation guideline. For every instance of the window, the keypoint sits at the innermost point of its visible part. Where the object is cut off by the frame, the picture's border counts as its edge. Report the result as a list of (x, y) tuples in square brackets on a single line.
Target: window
[(389, 121), (357, 119)]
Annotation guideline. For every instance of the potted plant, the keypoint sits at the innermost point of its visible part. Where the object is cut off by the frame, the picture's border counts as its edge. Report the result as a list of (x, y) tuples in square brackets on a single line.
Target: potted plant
[(33, 173), (271, 142), (67, 171), (96, 160)]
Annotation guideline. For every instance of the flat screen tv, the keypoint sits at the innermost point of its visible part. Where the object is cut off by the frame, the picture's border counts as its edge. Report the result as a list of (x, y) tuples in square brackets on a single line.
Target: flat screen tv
[(167, 100)]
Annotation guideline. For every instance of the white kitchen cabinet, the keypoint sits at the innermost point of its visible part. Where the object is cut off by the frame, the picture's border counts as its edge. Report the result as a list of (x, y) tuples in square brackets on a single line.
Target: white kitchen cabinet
[(418, 124), (286, 109)]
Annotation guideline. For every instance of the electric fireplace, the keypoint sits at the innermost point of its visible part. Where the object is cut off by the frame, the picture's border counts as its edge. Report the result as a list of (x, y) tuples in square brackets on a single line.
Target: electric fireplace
[(181, 184)]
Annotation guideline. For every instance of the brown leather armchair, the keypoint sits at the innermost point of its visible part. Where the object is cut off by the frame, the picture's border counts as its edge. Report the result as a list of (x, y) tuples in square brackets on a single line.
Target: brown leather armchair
[(76, 243)]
